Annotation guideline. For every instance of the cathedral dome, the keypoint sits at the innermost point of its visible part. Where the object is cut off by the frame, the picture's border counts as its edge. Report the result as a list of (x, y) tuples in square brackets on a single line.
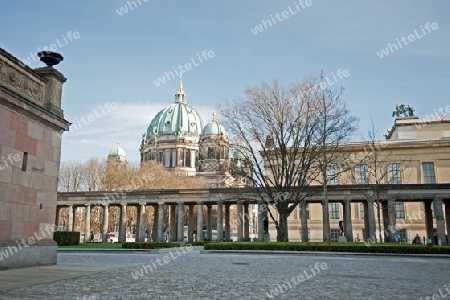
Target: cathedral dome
[(176, 119), (213, 127), (118, 152)]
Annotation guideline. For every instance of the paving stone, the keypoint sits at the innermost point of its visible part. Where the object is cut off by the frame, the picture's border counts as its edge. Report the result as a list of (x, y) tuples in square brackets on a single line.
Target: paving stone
[(226, 276)]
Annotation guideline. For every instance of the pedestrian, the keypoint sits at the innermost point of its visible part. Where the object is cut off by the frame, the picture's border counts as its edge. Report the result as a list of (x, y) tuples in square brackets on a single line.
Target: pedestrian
[(92, 236), (416, 240)]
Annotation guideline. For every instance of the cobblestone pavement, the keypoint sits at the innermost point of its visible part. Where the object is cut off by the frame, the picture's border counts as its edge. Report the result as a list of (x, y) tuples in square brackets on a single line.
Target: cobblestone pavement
[(192, 275)]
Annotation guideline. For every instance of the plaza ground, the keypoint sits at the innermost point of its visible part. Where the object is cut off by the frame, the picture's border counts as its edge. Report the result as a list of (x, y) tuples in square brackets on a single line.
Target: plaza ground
[(192, 275)]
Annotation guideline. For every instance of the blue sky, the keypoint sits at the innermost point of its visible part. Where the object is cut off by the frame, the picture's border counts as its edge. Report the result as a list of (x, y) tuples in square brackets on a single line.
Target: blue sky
[(117, 58)]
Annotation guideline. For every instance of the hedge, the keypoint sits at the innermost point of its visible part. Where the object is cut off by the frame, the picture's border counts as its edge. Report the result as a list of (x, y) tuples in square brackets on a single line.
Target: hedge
[(66, 238), (157, 245), (338, 247)]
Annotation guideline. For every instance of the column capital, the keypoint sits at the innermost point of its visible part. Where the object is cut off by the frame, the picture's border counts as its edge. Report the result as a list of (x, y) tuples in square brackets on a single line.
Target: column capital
[(199, 202), (438, 198), (161, 203), (87, 204), (123, 204), (142, 203)]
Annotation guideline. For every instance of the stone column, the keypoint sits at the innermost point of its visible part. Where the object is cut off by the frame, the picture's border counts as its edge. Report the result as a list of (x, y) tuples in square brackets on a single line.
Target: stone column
[(87, 224), (199, 221), (262, 212), (440, 221), (392, 217), (105, 223), (140, 237), (369, 221), (155, 223), (246, 223), (58, 210), (173, 223), (240, 222), (123, 224), (220, 221), (304, 220), (325, 221), (180, 222), (348, 220), (227, 222), (209, 221), (161, 222), (70, 218), (191, 223), (428, 220), (447, 220)]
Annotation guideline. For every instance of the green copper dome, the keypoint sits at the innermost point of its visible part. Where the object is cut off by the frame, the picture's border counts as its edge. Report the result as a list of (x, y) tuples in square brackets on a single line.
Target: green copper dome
[(213, 127), (118, 152), (176, 119)]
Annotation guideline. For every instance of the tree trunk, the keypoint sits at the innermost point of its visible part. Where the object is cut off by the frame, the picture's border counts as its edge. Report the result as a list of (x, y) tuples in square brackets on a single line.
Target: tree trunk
[(282, 228)]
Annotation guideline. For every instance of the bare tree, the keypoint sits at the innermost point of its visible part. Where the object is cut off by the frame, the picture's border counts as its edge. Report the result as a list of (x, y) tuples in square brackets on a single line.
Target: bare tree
[(335, 126), (279, 130), (378, 166)]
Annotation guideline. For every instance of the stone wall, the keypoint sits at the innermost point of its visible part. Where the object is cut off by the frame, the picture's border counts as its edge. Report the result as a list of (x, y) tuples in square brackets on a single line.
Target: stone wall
[(31, 126)]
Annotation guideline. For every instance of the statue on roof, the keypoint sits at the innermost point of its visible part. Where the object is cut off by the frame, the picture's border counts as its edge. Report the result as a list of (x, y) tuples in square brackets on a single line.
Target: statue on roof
[(403, 110)]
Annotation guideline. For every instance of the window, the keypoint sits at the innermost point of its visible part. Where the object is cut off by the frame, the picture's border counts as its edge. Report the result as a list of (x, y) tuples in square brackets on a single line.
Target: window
[(332, 175), (400, 210), (334, 210), (402, 234), (173, 159), (428, 172), (395, 174), (361, 210), (335, 233), (25, 161), (167, 159), (363, 174)]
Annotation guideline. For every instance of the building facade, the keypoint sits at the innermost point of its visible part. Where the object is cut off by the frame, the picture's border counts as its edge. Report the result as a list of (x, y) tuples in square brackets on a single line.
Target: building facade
[(415, 153), (31, 126)]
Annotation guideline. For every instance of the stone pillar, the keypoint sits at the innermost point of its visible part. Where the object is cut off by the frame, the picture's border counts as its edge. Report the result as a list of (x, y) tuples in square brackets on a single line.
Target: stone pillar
[(87, 224), (262, 212), (304, 220), (369, 221), (348, 220), (220, 221), (209, 221), (246, 223), (180, 230), (58, 210), (227, 223), (70, 218), (123, 224), (161, 222), (173, 223), (240, 222), (199, 221), (440, 222), (140, 236), (447, 220), (155, 223), (428, 220), (105, 223), (392, 218), (325, 221), (191, 223)]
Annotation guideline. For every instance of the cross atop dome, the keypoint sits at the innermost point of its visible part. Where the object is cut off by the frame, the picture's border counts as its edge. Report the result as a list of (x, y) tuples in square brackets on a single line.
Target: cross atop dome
[(179, 96)]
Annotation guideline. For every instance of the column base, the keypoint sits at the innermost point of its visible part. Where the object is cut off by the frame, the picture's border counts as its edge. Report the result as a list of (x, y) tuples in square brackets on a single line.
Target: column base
[(342, 239), (266, 238)]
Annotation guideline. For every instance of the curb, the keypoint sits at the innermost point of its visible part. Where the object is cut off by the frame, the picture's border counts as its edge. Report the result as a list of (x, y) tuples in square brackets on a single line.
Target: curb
[(115, 251), (318, 253)]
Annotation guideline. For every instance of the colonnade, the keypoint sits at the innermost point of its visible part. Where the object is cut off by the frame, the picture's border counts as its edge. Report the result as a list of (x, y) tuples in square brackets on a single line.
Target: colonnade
[(177, 219)]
